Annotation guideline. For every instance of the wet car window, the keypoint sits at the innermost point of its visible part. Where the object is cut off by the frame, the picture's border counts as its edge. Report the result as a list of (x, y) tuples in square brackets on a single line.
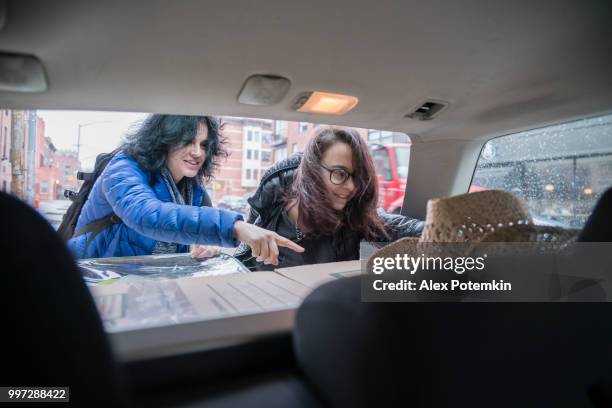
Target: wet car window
[(558, 171)]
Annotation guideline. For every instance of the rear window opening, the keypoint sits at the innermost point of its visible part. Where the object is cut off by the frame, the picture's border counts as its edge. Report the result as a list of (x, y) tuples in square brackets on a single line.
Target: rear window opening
[(42, 152)]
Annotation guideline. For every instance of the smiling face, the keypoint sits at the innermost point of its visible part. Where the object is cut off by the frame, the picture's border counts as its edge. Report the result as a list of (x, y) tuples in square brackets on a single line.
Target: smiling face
[(186, 160), (338, 156)]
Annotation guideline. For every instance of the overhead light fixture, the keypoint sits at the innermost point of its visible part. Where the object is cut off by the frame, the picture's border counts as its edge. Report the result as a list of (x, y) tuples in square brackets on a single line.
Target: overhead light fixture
[(325, 103)]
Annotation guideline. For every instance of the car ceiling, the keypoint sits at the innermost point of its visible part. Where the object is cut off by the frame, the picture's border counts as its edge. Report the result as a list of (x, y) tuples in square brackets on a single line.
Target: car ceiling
[(502, 65)]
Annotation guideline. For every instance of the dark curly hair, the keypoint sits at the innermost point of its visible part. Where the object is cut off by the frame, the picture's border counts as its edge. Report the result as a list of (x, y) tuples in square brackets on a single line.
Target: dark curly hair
[(150, 143)]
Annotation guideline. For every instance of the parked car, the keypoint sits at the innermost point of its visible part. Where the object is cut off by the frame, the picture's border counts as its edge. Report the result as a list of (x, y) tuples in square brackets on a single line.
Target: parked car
[(234, 203)]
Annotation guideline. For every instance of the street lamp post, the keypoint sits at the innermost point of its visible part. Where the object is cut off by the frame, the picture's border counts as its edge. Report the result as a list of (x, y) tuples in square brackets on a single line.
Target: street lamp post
[(82, 125)]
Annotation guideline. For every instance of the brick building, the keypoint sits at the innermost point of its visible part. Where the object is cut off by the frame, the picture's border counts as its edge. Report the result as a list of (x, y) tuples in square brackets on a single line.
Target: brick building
[(19, 153), (248, 142), (67, 165), (55, 169), (254, 145), (292, 137), (46, 180)]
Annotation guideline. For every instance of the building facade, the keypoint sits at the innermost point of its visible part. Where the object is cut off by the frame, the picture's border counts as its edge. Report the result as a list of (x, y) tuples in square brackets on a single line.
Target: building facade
[(292, 137), (30, 157), (46, 180), (255, 144), (19, 153), (66, 167), (248, 142), (6, 172)]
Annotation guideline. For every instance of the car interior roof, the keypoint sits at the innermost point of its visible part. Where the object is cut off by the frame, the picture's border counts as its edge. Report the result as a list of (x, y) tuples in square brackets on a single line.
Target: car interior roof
[(503, 66)]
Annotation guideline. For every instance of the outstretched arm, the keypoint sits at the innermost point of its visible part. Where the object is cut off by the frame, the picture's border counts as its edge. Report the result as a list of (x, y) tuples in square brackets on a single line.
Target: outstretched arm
[(127, 190)]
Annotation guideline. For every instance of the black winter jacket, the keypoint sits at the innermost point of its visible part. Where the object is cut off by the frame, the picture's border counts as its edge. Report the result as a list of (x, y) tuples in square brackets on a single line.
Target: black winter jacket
[(267, 205)]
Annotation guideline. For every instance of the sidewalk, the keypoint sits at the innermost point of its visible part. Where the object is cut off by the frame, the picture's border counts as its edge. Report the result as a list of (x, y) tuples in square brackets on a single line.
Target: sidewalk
[(54, 210)]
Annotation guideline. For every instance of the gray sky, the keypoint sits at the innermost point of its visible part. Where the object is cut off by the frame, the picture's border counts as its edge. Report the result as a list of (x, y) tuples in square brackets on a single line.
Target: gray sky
[(101, 131)]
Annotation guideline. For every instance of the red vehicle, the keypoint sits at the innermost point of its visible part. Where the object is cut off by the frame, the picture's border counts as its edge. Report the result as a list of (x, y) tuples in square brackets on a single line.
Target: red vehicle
[(474, 188), (391, 162)]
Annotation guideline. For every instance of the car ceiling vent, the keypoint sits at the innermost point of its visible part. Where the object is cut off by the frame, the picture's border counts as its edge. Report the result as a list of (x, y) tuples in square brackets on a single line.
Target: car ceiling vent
[(428, 110)]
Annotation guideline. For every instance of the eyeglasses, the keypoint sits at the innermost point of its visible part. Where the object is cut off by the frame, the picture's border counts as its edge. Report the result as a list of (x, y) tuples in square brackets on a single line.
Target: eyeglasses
[(337, 175)]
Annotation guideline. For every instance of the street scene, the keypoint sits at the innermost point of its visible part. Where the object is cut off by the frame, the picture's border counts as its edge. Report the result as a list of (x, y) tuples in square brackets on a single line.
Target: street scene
[(45, 150), (54, 210)]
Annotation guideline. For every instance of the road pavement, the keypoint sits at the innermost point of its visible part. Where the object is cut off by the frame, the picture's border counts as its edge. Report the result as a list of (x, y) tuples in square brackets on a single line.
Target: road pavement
[(54, 210)]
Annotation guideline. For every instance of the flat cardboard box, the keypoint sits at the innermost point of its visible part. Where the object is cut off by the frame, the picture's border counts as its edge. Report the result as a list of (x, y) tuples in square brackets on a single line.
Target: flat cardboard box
[(315, 275), (148, 317)]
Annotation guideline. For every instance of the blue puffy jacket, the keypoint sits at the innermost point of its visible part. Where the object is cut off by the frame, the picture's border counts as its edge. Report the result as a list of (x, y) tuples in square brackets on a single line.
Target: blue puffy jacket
[(148, 215)]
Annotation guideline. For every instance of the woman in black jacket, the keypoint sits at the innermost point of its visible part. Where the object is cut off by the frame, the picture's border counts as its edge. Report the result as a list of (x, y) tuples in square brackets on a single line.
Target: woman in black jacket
[(324, 199)]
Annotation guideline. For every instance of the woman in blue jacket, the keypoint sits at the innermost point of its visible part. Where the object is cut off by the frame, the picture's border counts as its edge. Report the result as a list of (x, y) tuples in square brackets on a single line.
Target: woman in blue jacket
[(154, 188)]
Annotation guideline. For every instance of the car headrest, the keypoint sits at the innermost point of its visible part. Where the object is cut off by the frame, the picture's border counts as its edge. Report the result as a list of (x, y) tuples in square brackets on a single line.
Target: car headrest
[(598, 227), (52, 331)]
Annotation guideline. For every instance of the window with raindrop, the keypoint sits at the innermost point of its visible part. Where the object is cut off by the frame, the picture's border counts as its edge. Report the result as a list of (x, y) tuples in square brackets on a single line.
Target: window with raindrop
[(558, 171)]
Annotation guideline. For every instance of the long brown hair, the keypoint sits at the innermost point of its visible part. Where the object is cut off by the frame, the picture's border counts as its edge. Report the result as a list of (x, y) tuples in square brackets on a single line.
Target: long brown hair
[(316, 216)]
